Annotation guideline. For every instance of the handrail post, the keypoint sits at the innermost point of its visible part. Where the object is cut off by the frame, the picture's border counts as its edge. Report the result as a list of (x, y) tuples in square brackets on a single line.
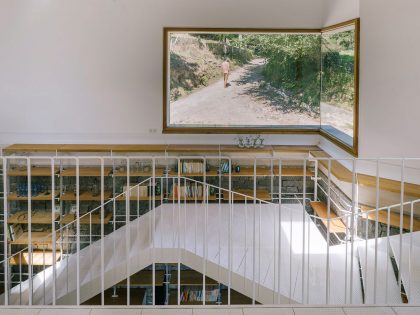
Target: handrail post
[(316, 181), (352, 224), (5, 228), (279, 234), (153, 230), (401, 224), (127, 230), (375, 275), (102, 234), (327, 293), (77, 232), (54, 238), (28, 166), (303, 228)]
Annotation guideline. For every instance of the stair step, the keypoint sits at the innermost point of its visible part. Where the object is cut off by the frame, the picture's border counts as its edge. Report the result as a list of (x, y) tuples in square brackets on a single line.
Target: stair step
[(384, 271), (321, 210), (410, 280)]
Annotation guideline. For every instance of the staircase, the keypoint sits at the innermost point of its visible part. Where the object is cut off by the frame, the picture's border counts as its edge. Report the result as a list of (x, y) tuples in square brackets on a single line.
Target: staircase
[(246, 246)]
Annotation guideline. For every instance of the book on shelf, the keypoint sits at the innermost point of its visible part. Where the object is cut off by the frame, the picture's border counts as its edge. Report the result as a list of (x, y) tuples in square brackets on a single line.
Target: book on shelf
[(189, 190), (188, 167), (142, 190), (196, 295)]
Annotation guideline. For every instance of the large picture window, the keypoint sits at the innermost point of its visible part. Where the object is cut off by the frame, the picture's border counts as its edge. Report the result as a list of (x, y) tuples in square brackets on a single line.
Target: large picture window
[(262, 81)]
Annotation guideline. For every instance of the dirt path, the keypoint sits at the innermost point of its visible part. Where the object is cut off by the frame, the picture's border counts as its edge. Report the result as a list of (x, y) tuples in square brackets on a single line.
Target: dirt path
[(235, 105)]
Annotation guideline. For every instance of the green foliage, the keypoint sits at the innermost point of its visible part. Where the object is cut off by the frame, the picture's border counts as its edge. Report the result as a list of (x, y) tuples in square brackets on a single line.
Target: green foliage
[(292, 64), (338, 69)]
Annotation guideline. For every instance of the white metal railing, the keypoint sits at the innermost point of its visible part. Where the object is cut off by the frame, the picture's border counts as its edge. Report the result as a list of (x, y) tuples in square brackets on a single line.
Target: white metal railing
[(282, 280)]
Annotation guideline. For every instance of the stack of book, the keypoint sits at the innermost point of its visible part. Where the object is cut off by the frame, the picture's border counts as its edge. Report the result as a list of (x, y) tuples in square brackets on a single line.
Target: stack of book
[(196, 295), (188, 190), (140, 191), (188, 167)]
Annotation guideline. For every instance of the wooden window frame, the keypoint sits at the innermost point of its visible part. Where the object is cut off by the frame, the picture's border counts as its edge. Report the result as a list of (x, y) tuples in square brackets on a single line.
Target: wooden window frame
[(167, 129)]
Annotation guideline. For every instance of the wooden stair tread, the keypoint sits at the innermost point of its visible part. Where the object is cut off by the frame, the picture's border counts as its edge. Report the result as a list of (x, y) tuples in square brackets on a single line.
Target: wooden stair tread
[(321, 210), (345, 175), (394, 218)]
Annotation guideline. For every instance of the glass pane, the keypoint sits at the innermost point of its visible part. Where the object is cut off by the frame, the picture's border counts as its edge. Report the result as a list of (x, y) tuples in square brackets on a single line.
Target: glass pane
[(243, 79), (338, 83)]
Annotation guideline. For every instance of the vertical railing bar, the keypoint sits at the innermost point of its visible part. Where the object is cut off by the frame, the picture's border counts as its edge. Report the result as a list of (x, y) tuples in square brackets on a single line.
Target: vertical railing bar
[(365, 282), (245, 240), (102, 234), (400, 267), (43, 273), (387, 254), (153, 231), (54, 237), (316, 181), (279, 235), (375, 275), (290, 256), (206, 243), (259, 248), (179, 231), (20, 278), (219, 214), (5, 216), (195, 218), (77, 232), (30, 270), (327, 293), (230, 248), (127, 231), (410, 252), (254, 234), (303, 229), (353, 211)]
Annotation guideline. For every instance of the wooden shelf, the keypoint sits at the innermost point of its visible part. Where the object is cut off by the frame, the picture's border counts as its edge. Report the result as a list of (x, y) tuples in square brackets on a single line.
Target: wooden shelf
[(202, 198), (293, 171), (159, 172), (38, 238), (394, 219), (153, 148), (86, 171), (135, 198), (86, 219), (85, 196), (249, 171), (39, 258), (40, 197), (35, 171), (37, 217), (191, 278), (260, 194), (144, 278)]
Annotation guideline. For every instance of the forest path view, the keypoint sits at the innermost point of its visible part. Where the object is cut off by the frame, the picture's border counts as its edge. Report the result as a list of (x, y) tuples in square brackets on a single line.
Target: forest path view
[(243, 101)]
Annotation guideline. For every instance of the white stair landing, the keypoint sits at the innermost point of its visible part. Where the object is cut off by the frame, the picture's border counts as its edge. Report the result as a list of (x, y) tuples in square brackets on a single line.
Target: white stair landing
[(260, 278)]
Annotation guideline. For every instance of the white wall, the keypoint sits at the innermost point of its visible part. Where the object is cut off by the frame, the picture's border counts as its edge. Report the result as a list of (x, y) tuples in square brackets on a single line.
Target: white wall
[(390, 78), (341, 10), (91, 70)]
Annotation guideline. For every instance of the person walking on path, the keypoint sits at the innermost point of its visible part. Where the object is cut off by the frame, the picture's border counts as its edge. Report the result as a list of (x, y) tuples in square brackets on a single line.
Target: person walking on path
[(225, 68)]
